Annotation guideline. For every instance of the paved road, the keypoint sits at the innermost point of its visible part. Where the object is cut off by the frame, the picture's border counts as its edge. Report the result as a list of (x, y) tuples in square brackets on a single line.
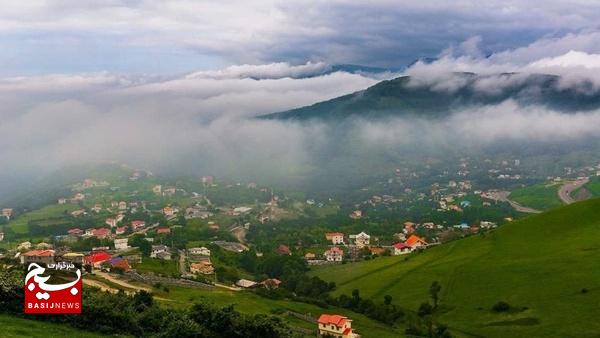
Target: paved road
[(502, 196), (564, 193)]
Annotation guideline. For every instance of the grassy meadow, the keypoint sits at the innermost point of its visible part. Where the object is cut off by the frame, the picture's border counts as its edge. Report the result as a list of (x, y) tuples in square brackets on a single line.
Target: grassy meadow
[(544, 266)]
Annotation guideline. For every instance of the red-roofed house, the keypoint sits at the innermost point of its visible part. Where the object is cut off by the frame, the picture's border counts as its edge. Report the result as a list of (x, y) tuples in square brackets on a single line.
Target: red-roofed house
[(283, 250), (121, 230), (75, 232), (101, 233), (401, 249), (271, 283), (137, 224), (97, 258), (415, 241), (163, 231), (335, 326), (38, 256), (334, 254)]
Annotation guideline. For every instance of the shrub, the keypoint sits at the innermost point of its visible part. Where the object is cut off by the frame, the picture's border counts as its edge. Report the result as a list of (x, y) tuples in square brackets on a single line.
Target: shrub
[(501, 306)]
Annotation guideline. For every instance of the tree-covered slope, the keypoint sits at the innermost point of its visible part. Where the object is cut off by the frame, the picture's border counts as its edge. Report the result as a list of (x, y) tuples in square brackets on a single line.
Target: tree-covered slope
[(544, 266), (406, 96)]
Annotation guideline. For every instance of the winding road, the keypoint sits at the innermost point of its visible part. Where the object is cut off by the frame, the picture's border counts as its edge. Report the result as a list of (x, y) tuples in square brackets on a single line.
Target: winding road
[(564, 193)]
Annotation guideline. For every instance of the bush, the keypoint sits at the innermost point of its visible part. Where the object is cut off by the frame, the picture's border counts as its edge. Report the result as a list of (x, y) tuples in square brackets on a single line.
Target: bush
[(501, 306)]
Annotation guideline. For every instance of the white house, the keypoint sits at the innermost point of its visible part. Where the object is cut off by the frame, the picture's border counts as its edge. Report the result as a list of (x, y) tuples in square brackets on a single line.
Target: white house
[(160, 251), (361, 240), (121, 243), (202, 251)]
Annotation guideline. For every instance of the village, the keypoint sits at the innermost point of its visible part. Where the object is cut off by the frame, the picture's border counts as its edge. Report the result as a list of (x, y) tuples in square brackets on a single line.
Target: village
[(143, 232)]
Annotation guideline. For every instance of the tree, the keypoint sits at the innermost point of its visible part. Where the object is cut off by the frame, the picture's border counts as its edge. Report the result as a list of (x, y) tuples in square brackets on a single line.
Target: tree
[(434, 291), (387, 299)]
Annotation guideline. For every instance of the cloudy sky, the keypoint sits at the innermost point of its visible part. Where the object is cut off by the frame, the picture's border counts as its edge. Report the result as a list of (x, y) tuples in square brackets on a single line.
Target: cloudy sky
[(166, 37), (175, 84)]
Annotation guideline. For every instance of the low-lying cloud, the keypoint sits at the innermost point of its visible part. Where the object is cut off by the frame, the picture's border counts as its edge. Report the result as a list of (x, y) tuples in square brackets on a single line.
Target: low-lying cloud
[(203, 123)]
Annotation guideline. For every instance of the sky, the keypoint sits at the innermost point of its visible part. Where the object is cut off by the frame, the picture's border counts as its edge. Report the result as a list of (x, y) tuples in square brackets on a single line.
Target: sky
[(170, 37), (175, 85)]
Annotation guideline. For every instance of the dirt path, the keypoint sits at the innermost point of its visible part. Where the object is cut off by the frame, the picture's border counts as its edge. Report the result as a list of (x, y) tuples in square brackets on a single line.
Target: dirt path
[(564, 193), (122, 283)]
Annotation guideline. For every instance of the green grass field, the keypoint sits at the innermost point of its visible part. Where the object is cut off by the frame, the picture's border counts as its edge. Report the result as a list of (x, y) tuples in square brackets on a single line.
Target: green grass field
[(539, 264), (248, 302), (13, 327), (593, 186), (157, 266), (19, 225), (542, 196)]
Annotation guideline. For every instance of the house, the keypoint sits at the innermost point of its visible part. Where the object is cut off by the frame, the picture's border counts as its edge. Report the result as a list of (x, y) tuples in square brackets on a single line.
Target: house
[(157, 189), (271, 283), (336, 238), (213, 226), (310, 256), (97, 258), (122, 205), (1, 236), (7, 212), (207, 180), (202, 267), (401, 249), (334, 254), (245, 283), (78, 213), (361, 240), (62, 201), (121, 243), (241, 210), (415, 242), (121, 230), (376, 250), (97, 208), (168, 211), (160, 251), (73, 257), (119, 263), (335, 326), (111, 222), (78, 197), (356, 214), (75, 232), (283, 250), (38, 256), (137, 224), (101, 233), (202, 251), (409, 227), (163, 231)]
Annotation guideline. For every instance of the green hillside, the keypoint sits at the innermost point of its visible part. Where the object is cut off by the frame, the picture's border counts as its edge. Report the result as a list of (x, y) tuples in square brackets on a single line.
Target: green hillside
[(542, 196), (539, 265), (402, 97), (13, 327)]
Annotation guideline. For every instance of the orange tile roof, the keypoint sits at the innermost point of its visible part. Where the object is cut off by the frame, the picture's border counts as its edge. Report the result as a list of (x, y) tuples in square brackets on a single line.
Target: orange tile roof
[(414, 239), (336, 320), (39, 253)]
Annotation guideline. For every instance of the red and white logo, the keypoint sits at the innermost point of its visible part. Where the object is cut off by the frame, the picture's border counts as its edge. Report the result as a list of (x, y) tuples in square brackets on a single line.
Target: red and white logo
[(41, 297)]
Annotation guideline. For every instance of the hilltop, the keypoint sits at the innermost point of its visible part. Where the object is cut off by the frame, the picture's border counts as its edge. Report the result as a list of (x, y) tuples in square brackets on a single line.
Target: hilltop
[(413, 96), (544, 266)]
